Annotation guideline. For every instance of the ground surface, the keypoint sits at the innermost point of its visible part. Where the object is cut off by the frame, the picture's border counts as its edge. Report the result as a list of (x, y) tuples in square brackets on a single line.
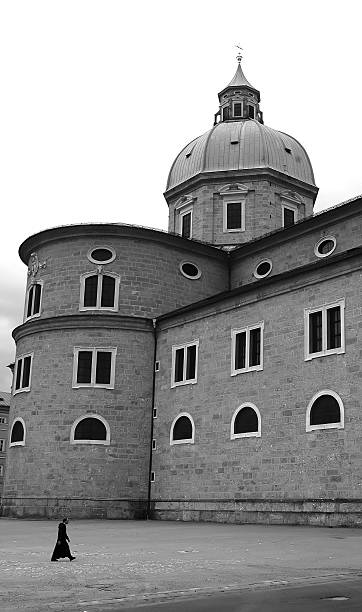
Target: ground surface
[(126, 563)]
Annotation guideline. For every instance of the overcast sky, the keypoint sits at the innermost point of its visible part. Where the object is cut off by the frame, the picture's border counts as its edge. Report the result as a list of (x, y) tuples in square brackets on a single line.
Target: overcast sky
[(99, 96)]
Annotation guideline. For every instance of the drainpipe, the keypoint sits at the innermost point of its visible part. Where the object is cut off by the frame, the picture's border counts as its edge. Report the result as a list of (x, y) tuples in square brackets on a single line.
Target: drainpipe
[(148, 512)]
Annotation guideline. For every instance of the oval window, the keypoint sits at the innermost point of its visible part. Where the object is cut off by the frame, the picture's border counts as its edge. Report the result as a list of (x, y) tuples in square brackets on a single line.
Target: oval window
[(263, 268), (101, 255), (190, 270), (325, 246)]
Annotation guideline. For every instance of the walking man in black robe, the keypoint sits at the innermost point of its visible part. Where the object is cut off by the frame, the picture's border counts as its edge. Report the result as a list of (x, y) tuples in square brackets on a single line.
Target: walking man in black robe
[(62, 549)]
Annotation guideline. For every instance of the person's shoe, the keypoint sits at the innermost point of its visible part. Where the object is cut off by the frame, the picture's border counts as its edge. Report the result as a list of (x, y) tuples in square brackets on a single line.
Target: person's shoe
[(71, 558)]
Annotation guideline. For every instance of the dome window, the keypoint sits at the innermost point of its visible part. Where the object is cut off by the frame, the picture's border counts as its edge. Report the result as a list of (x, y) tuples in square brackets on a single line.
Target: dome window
[(102, 255), (325, 411), (246, 422), (226, 113), (263, 268), (287, 150), (237, 109), (251, 111), (17, 436), (190, 270), (182, 429), (325, 246), (90, 429)]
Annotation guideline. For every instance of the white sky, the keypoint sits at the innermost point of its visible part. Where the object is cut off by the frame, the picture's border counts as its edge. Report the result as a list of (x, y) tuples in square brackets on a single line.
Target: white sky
[(99, 96)]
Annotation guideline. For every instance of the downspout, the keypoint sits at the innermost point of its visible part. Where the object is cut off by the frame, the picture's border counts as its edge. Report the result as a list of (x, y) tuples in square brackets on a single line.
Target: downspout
[(148, 511)]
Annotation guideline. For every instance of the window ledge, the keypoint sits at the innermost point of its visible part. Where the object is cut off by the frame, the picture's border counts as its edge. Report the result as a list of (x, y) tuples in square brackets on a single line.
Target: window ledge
[(245, 370), (339, 351), (183, 383)]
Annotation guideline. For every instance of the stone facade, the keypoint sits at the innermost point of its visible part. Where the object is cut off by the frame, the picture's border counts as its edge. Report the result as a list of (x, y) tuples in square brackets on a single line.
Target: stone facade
[(98, 440)]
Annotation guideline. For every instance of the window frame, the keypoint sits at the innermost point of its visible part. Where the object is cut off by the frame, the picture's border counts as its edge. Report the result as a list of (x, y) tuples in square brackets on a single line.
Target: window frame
[(99, 292), (249, 434), (340, 425), (324, 352), (96, 261), (21, 442), (2, 445), (292, 207), (241, 102), (233, 200), (38, 314), (90, 415), (182, 211), (185, 440), (323, 239), (260, 276), (187, 275), (1, 470), (191, 381), (20, 358), (94, 350), (247, 329)]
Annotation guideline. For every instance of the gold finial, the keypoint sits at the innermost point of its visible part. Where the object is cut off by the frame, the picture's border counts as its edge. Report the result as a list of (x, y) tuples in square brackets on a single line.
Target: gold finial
[(239, 57)]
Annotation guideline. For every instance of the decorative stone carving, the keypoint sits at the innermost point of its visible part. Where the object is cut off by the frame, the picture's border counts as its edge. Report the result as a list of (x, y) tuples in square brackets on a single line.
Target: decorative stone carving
[(34, 266)]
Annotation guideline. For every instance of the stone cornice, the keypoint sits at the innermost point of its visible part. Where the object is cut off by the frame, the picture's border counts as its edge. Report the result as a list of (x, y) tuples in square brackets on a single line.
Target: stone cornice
[(242, 175), (82, 321), (271, 286), (341, 212), (117, 230)]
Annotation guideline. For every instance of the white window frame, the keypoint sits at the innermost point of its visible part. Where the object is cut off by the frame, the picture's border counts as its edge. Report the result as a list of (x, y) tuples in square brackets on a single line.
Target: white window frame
[(21, 442), (105, 442), (233, 200), (260, 276), (1, 470), (185, 440), (96, 261), (323, 239), (185, 210), (2, 445), (191, 381), (99, 292), (249, 434), (2, 420), (242, 108), (18, 359), (33, 316), (94, 350), (324, 352), (289, 206), (247, 330), (340, 425)]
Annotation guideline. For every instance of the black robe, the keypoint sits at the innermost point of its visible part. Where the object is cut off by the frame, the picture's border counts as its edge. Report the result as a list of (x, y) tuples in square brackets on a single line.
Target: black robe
[(62, 547)]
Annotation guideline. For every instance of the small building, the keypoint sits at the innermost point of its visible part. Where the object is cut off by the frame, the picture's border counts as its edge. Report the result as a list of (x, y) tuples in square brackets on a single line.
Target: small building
[(4, 428)]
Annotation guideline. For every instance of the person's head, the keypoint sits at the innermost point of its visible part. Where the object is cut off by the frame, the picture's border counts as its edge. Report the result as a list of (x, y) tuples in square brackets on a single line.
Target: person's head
[(65, 521)]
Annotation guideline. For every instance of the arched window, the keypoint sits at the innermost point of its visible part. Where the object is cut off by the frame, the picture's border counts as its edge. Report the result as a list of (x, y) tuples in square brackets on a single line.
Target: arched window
[(182, 429), (17, 434), (33, 300), (246, 422), (90, 429), (325, 411), (99, 291)]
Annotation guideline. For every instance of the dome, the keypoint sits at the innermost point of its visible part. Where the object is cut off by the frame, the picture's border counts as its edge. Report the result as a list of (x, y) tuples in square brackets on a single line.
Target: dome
[(241, 145)]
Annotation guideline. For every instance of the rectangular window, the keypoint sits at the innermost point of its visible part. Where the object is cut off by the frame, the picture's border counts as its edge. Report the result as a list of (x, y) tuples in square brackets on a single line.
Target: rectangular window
[(23, 367), (184, 364), (3, 420), (289, 215), (251, 112), (237, 109), (247, 349), (1, 470), (234, 216), (99, 292), (2, 446), (94, 367), (34, 300), (324, 330), (186, 219)]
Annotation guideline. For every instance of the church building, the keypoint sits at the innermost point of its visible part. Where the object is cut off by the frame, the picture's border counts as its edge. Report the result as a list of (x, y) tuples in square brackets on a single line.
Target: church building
[(207, 373)]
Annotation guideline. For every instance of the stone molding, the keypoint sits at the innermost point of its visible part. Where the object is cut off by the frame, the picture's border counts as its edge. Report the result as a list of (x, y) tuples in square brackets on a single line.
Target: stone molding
[(82, 321)]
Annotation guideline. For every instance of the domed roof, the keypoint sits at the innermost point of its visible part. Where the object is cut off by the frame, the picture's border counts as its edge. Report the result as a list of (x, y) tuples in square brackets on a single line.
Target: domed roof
[(241, 145)]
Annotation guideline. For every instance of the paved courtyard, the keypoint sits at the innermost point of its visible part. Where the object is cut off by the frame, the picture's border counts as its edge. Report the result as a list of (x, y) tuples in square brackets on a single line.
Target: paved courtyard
[(127, 562)]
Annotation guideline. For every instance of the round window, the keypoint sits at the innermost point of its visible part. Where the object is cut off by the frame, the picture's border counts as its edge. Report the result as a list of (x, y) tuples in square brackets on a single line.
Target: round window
[(263, 268), (101, 255), (190, 270), (325, 246)]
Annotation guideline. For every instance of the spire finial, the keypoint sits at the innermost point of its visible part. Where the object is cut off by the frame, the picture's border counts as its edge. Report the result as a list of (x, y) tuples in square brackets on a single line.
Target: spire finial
[(239, 57)]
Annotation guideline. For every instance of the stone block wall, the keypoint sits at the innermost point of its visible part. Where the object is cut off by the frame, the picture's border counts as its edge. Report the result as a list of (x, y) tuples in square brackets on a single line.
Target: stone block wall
[(48, 474), (286, 467)]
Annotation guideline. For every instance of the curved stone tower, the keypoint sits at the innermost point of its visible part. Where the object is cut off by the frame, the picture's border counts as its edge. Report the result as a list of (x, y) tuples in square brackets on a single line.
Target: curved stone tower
[(81, 409)]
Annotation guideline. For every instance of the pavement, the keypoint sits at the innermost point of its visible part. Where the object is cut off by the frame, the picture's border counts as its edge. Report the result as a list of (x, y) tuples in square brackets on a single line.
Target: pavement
[(131, 563)]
